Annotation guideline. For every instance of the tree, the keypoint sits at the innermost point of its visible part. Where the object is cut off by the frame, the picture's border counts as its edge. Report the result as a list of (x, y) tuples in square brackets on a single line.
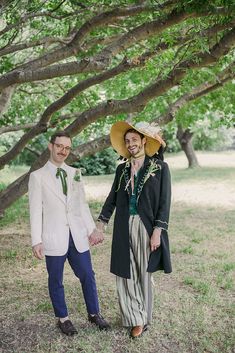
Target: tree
[(81, 65)]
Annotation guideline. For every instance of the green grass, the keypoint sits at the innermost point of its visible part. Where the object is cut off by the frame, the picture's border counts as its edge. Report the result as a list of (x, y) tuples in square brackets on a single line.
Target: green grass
[(10, 173), (18, 212), (194, 308), (203, 174)]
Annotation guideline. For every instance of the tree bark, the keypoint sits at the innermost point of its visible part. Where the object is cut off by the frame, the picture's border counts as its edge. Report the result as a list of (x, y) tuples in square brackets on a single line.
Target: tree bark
[(185, 139), (42, 68), (114, 107), (5, 98), (19, 187), (100, 63)]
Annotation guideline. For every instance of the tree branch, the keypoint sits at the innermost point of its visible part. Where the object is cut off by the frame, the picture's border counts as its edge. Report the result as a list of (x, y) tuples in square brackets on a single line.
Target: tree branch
[(5, 98), (205, 88), (133, 104), (4, 4), (91, 147), (35, 153), (31, 16), (53, 124), (19, 187), (139, 101), (31, 44), (100, 61), (95, 22), (5, 129)]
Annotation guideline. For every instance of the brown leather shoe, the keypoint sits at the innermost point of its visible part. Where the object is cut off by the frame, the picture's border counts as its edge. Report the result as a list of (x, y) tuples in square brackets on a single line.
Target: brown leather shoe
[(67, 327), (137, 331)]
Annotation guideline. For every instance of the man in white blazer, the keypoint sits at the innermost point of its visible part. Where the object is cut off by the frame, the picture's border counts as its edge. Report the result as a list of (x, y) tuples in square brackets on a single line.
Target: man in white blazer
[(61, 228)]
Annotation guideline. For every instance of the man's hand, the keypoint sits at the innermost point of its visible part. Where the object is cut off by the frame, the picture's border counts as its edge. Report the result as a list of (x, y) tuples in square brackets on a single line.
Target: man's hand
[(38, 251), (96, 237), (155, 240)]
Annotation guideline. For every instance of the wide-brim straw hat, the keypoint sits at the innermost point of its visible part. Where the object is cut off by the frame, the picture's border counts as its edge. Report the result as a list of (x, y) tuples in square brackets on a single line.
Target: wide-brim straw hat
[(150, 131)]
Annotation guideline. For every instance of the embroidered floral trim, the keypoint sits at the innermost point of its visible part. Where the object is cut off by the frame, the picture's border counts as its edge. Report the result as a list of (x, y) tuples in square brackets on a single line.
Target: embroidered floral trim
[(150, 171), (125, 175), (102, 218), (153, 167), (158, 220), (160, 228)]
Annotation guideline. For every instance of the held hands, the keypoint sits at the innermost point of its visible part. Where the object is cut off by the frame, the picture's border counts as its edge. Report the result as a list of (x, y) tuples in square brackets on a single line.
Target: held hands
[(155, 240), (96, 237), (38, 251)]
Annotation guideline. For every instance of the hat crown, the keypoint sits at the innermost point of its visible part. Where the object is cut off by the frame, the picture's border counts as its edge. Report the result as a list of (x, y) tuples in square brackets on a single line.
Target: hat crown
[(151, 129)]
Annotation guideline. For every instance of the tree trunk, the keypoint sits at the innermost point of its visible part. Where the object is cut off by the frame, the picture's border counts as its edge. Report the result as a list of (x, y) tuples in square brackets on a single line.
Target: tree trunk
[(185, 139)]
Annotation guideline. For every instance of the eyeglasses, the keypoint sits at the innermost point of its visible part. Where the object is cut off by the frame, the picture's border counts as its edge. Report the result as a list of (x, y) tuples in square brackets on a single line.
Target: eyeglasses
[(62, 147)]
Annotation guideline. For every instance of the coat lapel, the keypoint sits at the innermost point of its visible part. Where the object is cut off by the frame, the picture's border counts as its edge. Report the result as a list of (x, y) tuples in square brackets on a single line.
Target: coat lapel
[(127, 175), (142, 174)]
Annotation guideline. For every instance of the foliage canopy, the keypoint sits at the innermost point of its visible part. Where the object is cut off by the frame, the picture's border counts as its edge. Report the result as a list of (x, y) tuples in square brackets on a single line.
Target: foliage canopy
[(81, 65)]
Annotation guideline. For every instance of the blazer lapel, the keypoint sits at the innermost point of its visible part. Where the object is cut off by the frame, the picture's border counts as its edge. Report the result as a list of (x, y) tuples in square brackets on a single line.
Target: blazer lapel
[(69, 183), (50, 181)]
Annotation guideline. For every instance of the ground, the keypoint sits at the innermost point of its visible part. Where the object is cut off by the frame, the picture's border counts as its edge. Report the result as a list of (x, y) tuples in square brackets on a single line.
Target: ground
[(194, 306), (202, 192)]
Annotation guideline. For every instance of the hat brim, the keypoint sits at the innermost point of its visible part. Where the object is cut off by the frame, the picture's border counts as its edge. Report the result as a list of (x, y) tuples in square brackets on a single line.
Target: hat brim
[(117, 133)]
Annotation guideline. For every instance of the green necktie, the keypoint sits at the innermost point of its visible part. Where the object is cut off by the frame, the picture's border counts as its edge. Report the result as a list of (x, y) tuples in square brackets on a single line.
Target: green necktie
[(63, 175)]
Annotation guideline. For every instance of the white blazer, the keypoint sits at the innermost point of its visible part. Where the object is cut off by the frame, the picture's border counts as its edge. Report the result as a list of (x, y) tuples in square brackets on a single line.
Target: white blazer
[(52, 216)]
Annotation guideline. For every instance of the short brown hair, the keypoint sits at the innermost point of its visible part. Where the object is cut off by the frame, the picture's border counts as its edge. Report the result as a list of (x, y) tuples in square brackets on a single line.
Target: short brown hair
[(59, 134), (136, 132)]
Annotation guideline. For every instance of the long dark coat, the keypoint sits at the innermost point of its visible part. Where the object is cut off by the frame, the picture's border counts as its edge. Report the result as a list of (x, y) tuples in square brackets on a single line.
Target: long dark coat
[(153, 206)]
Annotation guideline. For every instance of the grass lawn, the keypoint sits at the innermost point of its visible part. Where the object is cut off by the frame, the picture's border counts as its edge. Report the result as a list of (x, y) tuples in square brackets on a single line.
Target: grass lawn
[(194, 306)]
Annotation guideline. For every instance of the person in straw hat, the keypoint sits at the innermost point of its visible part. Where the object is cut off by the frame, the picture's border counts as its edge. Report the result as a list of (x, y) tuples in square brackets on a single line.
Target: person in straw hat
[(141, 194)]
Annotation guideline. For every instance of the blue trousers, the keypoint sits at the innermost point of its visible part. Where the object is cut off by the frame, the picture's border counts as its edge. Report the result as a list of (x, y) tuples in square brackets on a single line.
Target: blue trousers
[(82, 268)]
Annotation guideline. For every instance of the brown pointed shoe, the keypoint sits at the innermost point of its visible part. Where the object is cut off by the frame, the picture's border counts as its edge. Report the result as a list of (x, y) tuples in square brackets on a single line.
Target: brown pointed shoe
[(137, 331)]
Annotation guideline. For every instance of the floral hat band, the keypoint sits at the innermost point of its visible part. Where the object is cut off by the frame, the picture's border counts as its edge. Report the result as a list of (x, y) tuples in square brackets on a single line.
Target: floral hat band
[(152, 133)]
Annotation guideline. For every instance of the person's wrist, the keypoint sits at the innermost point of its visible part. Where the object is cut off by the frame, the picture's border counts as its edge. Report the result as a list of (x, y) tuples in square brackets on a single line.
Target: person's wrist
[(157, 231), (100, 226)]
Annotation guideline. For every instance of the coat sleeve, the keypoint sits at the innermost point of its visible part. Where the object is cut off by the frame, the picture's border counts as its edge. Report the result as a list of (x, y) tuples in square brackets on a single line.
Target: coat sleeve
[(35, 207), (110, 202), (162, 217)]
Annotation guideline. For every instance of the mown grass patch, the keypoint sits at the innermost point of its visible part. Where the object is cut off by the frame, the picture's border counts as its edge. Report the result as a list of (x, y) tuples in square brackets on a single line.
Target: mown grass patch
[(203, 174), (193, 310), (16, 213)]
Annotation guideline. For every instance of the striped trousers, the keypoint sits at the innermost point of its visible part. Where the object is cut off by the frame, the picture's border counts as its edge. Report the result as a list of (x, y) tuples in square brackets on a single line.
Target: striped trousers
[(135, 295)]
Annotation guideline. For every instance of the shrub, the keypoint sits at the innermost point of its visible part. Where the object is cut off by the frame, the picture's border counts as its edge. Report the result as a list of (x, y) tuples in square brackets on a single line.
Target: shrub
[(103, 162)]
